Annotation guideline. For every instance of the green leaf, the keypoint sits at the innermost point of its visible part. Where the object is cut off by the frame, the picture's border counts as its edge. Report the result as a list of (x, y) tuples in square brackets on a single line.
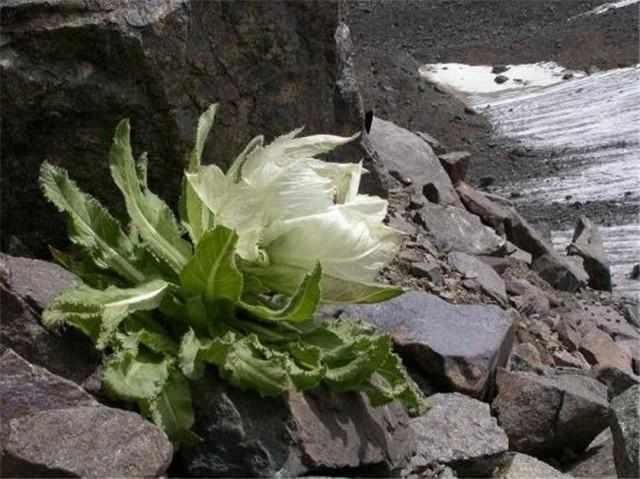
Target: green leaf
[(90, 225), (300, 307), (81, 264), (212, 272), (150, 215), (196, 217), (98, 313), (131, 376)]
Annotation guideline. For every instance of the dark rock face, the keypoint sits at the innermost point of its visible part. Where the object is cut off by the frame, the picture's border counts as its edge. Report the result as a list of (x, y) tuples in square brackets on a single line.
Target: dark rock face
[(587, 244), (597, 460), (459, 432), (408, 157), (486, 277), (36, 282), (458, 346), (246, 435), (85, 442), (70, 70), (456, 164), (455, 229), (617, 380), (625, 426), (550, 414)]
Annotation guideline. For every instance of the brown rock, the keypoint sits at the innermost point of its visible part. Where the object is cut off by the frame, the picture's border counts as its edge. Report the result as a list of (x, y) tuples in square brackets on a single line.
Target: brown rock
[(491, 213), (456, 164), (600, 350)]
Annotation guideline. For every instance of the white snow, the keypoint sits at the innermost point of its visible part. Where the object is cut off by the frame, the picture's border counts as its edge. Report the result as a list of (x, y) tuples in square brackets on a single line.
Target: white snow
[(605, 7)]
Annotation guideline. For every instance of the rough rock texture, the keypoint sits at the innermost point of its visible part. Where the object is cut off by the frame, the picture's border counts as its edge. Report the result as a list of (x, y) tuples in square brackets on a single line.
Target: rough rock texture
[(85, 442), (36, 282), (299, 434), (410, 159), (455, 229), (70, 70), (491, 213), (597, 461), (456, 164), (486, 277), (521, 466), (459, 432), (550, 414), (458, 346), (616, 380), (625, 426), (600, 350), (587, 244)]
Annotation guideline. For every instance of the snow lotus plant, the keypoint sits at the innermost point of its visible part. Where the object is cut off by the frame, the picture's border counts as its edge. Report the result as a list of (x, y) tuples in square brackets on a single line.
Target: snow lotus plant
[(235, 283)]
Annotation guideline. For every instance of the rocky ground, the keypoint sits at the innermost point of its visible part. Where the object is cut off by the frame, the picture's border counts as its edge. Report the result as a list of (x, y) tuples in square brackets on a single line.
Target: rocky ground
[(531, 366)]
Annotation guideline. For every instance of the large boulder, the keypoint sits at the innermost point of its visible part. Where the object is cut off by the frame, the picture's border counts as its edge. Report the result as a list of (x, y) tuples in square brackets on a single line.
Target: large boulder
[(69, 71), (455, 229), (458, 432), (247, 435), (588, 244), (548, 415), (410, 159), (625, 426), (458, 347), (26, 286), (85, 442)]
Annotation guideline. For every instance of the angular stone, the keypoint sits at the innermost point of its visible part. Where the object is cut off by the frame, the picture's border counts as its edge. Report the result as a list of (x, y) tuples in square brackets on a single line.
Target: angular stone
[(550, 414), (625, 426), (455, 229), (456, 164), (521, 466), (85, 442), (458, 346), (597, 461), (600, 350), (617, 380), (560, 273), (491, 213), (530, 299), (490, 282), (301, 434), (70, 355), (525, 357), (406, 155), (587, 243), (426, 269), (459, 432)]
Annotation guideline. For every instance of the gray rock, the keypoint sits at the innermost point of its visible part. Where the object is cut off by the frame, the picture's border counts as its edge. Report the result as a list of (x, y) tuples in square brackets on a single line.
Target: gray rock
[(81, 66), (71, 355), (434, 143), (300, 434), (459, 346), (455, 229), (550, 414), (597, 461), (406, 155), (456, 164), (525, 357), (617, 380), (491, 213), (625, 426), (587, 244), (490, 282), (427, 269), (600, 350), (85, 442), (459, 432), (521, 466), (632, 314)]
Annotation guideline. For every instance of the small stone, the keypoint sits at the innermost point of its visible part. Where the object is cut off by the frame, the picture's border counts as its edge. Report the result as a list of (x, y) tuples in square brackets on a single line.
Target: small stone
[(497, 69), (500, 79)]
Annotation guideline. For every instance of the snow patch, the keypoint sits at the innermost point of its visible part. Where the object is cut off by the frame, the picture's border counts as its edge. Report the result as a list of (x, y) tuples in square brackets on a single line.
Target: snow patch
[(605, 7)]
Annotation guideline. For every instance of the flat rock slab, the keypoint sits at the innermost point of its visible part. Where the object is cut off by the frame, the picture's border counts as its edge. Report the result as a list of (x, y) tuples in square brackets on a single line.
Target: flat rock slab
[(489, 281), (459, 346), (625, 426), (521, 466), (550, 414), (455, 229), (459, 432), (85, 442), (246, 435)]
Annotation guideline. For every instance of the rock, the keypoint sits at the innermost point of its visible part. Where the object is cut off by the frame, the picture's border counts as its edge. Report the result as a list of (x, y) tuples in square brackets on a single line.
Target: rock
[(490, 282), (597, 461), (456, 164), (600, 350), (454, 229), (427, 269), (458, 346), (546, 415), (71, 355), (587, 244), (521, 466), (27, 389), (585, 317), (501, 79), (625, 427), (491, 214), (631, 314), (459, 432), (560, 273), (301, 434), (437, 146), (617, 380), (497, 69), (530, 299), (85, 442), (408, 155), (565, 359), (526, 357), (635, 272), (80, 67)]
